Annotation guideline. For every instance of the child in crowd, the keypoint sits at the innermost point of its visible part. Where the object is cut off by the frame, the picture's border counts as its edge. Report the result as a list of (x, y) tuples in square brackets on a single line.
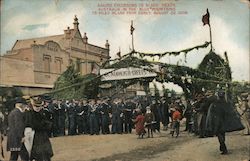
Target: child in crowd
[(149, 120), (176, 121), (139, 125)]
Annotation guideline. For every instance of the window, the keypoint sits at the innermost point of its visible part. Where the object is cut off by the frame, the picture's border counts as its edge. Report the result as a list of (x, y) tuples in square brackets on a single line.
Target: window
[(47, 60), (78, 64), (70, 61), (58, 63)]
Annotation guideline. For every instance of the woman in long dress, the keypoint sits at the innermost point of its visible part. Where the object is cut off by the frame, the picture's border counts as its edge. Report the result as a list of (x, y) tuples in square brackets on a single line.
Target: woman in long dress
[(41, 149)]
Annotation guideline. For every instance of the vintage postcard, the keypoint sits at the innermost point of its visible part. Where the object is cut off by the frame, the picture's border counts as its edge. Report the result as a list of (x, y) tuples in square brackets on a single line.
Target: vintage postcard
[(114, 80)]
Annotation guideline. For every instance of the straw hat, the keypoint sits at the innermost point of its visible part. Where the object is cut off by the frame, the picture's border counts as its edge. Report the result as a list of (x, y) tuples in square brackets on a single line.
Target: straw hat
[(36, 101)]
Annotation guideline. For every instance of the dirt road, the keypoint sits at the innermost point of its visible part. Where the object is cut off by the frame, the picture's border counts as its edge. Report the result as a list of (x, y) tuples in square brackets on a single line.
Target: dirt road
[(162, 147)]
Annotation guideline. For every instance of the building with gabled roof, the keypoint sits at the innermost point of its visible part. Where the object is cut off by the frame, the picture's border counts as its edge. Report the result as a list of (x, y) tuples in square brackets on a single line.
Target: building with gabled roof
[(34, 64)]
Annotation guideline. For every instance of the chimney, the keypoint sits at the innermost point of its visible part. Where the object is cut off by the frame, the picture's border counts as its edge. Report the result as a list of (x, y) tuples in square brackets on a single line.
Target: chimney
[(67, 33), (107, 44), (76, 23), (85, 38)]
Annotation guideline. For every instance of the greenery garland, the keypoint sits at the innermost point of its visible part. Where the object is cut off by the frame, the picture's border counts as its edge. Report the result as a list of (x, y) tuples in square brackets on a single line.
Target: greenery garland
[(160, 55), (175, 53), (191, 80)]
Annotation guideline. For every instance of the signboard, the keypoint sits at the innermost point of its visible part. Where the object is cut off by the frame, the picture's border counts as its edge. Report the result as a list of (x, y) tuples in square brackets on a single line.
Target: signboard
[(140, 93), (126, 73)]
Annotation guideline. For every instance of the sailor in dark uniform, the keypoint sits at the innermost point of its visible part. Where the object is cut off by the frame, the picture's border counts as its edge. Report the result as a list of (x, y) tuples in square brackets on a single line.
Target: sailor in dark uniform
[(93, 118), (79, 117), (104, 110), (55, 117), (85, 122), (116, 117), (61, 118), (47, 112), (71, 110), (155, 108), (128, 110)]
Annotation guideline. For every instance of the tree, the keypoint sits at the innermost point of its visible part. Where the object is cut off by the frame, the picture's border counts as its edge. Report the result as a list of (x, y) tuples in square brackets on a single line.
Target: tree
[(86, 86)]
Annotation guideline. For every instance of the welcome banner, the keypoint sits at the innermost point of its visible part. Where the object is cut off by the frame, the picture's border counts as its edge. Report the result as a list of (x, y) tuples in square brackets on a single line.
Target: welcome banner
[(126, 73)]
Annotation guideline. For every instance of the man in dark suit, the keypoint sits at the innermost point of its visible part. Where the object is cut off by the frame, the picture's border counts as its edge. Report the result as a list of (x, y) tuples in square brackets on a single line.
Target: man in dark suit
[(79, 117), (71, 110), (128, 110), (61, 117), (16, 128), (85, 116), (93, 117), (117, 108), (216, 120), (104, 111)]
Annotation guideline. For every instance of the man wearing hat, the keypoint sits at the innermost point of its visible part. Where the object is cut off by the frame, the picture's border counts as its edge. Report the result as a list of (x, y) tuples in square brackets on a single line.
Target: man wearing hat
[(155, 108), (93, 117), (164, 108), (85, 116), (79, 117), (216, 120), (117, 108), (104, 110), (15, 137), (61, 117), (41, 147)]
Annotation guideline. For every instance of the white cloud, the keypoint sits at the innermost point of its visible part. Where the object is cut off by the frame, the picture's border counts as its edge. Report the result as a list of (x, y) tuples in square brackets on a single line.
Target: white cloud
[(222, 41), (238, 56), (57, 21), (118, 33)]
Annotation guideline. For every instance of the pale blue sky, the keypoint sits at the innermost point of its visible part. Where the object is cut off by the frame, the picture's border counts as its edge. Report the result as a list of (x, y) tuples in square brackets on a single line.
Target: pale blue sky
[(21, 19)]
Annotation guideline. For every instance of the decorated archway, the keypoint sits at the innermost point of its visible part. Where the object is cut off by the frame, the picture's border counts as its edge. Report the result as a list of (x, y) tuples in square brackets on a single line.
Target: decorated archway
[(191, 80), (213, 70)]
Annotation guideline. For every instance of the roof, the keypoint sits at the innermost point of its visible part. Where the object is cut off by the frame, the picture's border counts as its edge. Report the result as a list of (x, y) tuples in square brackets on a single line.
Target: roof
[(62, 40), (26, 43), (27, 85)]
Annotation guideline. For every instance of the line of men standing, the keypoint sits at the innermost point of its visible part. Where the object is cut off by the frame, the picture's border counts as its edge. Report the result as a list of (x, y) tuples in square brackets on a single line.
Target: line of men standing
[(89, 116), (94, 116)]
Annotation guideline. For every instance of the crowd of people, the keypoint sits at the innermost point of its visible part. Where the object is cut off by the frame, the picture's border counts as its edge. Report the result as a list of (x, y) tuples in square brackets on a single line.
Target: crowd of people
[(106, 116), (41, 118), (94, 116)]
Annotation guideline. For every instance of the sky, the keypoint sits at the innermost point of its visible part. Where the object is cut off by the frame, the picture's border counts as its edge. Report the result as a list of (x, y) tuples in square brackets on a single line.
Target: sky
[(229, 19)]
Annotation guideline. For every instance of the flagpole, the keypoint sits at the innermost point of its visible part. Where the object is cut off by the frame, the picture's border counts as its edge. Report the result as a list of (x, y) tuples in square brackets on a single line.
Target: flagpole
[(132, 33), (206, 21), (210, 37)]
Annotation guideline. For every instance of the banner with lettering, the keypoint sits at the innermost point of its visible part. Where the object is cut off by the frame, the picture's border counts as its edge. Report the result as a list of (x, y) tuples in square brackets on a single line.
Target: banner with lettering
[(126, 73)]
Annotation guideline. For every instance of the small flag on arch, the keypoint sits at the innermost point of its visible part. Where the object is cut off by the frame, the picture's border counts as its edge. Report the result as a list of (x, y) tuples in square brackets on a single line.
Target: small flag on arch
[(119, 53), (131, 28), (205, 19)]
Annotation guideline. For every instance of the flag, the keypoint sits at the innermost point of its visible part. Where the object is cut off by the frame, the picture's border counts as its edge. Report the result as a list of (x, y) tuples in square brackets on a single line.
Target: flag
[(131, 28), (205, 18), (119, 53)]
